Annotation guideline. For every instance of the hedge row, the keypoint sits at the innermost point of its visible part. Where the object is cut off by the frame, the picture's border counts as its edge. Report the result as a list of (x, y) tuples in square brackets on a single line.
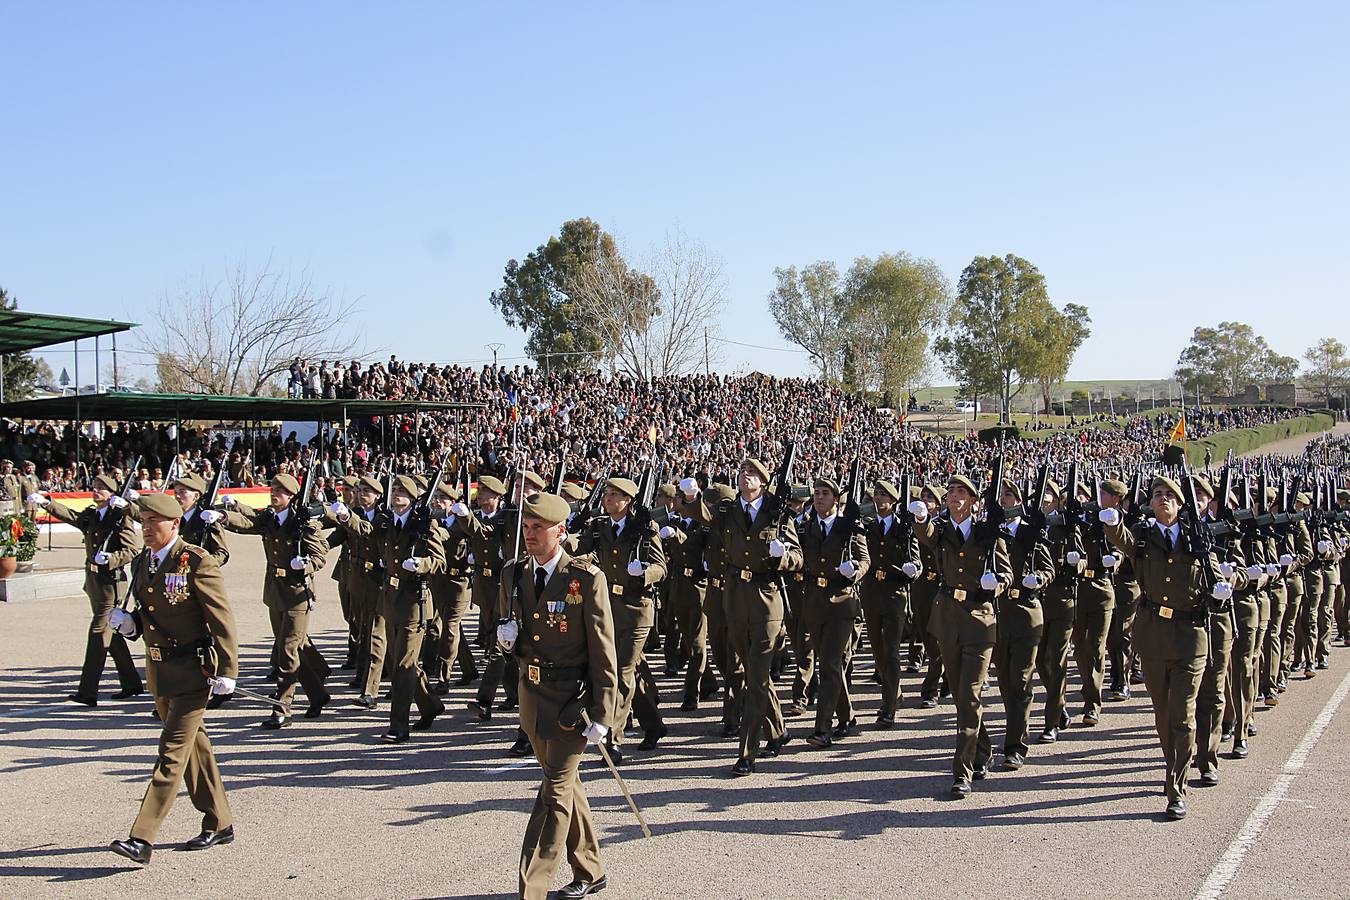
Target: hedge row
[(1244, 440)]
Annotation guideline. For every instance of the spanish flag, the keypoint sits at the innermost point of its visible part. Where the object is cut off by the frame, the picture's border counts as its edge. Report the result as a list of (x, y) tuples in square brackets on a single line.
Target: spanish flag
[(838, 424), (515, 412), (1178, 430), (759, 421)]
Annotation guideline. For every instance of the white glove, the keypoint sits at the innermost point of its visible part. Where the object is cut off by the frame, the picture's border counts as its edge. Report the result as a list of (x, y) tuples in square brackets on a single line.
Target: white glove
[(1226, 569), (410, 564), (459, 509), (848, 569), (1255, 572), (38, 499), (101, 558), (1073, 557), (910, 569), (595, 733), (470, 559), (1222, 591), (989, 581), (501, 553), (689, 487), (117, 502), (1110, 560), (1032, 582), (132, 494), (1272, 569), (222, 686), (666, 532), (211, 517), (228, 501), (636, 568), (339, 510), (777, 548), (1286, 560), (919, 510), (1324, 546), (122, 622), (297, 563), (507, 632), (1109, 516)]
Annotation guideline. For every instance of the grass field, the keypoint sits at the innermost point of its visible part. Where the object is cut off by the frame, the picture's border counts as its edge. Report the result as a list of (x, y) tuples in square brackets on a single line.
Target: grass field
[(1145, 389)]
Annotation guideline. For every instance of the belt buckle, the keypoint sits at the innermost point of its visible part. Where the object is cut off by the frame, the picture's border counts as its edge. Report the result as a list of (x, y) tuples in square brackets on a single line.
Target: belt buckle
[(393, 581), (745, 575), (715, 582), (822, 582), (958, 593), (154, 653), (93, 567), (369, 565), (1014, 593), (688, 573), (279, 572), (1089, 574), (533, 673), (616, 589), (881, 575), (1164, 612), (487, 573)]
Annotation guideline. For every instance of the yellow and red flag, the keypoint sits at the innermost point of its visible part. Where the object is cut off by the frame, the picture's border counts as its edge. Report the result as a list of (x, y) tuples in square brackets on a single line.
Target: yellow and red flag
[(1178, 430)]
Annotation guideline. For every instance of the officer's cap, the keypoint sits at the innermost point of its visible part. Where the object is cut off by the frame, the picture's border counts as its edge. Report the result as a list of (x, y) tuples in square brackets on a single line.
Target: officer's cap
[(162, 505), (548, 508)]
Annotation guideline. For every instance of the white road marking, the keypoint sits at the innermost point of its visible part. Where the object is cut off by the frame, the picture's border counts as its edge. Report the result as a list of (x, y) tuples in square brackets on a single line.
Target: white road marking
[(511, 766), (1226, 869), (30, 710)]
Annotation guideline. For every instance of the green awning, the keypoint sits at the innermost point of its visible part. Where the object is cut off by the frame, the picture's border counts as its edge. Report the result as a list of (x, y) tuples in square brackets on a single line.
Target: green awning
[(132, 407), (20, 330)]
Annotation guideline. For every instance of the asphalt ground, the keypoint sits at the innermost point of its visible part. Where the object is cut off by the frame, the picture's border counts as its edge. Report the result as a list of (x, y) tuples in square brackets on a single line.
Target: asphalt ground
[(324, 809)]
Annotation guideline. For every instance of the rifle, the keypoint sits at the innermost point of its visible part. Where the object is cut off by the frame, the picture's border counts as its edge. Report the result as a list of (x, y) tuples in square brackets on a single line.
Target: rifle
[(420, 516), (782, 489), (853, 487), (1035, 518), (121, 513), (389, 484), (208, 500), (1198, 538), (558, 476)]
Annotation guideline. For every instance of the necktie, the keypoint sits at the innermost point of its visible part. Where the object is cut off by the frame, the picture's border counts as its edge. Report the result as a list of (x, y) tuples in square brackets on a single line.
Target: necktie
[(1167, 539), (749, 517), (885, 527), (615, 527), (540, 578)]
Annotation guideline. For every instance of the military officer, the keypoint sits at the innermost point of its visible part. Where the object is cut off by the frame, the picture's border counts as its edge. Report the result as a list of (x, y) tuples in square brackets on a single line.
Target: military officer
[(1093, 609), (110, 542), (29, 484), (974, 567), (11, 488), (184, 616), (685, 543), (561, 630), (365, 576), (344, 575), (719, 640), (1211, 701), (1114, 495), (1239, 710), (487, 529), (1058, 603), (760, 543), (450, 593), (805, 678), (922, 594), (894, 554), (295, 550)]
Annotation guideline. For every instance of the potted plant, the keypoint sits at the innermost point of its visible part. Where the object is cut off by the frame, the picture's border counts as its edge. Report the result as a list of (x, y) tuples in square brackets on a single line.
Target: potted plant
[(18, 542)]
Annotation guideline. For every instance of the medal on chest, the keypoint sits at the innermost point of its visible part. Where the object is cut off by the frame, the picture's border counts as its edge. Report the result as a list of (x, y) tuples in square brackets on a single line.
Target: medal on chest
[(176, 583)]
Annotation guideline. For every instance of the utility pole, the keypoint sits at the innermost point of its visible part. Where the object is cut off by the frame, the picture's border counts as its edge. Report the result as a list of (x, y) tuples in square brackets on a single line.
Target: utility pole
[(494, 347), (707, 364)]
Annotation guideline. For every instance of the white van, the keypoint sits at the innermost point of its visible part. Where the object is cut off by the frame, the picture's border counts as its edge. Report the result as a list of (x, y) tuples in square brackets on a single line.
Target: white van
[(968, 407)]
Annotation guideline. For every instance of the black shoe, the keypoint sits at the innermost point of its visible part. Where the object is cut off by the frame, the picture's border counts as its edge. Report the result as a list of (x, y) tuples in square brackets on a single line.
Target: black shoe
[(441, 688), (275, 720), (1240, 750), (1209, 779), (134, 849), (507, 705), (744, 766), (981, 772), (928, 703), (961, 789), (615, 754), (522, 747), (819, 739), (581, 887), (467, 679), (423, 723), (395, 736), (1176, 810), (481, 710), (125, 694), (87, 701), (1063, 719), (272, 675), (1049, 735), (1014, 761), (794, 709), (730, 731), (650, 739), (317, 706), (1090, 719), (885, 720), (1251, 729), (1116, 695), (1323, 663), (208, 839), (912, 668), (774, 746), (845, 729), (366, 701), (710, 691), (690, 704), (347, 666)]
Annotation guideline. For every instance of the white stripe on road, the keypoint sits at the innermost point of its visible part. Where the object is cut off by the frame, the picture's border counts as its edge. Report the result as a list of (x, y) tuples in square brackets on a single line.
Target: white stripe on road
[(1226, 869), (28, 711), (511, 767)]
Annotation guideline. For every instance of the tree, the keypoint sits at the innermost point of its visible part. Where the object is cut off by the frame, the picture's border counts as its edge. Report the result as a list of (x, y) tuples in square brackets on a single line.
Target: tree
[(693, 291), (22, 372), (1228, 359), (1000, 304), (614, 306), (894, 303), (1328, 367), (236, 335), (535, 295), (1057, 337), (809, 308)]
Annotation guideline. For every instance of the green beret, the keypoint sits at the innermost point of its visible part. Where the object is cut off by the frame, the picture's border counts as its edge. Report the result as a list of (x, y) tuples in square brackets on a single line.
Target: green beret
[(408, 485), (163, 505), (449, 490), (192, 482), (1202, 484), (107, 482), (370, 481), (1010, 485), (667, 491), (487, 482), (350, 481), (829, 484), (885, 487), (548, 508), (1165, 482), (571, 491), (535, 479), (623, 486), (962, 481), (1272, 494), (799, 492), (1115, 488), (287, 483), (758, 468), (722, 491)]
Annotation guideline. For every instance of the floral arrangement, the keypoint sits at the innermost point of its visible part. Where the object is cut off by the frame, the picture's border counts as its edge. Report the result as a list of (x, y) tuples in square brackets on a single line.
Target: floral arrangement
[(18, 537)]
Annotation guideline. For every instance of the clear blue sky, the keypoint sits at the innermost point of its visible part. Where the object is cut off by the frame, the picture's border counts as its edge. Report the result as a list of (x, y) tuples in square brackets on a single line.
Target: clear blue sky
[(1167, 165)]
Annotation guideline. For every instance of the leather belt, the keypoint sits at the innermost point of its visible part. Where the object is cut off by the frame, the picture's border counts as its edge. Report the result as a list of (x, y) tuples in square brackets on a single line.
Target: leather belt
[(160, 654), (880, 574), (1192, 616), (748, 575), (537, 672)]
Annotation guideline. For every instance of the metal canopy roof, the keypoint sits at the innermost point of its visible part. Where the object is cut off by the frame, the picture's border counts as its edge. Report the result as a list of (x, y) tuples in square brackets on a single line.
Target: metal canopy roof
[(128, 407), (21, 330)]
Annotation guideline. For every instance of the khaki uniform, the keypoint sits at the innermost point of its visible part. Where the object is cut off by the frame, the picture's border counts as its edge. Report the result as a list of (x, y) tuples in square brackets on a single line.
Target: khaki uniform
[(1239, 709), (922, 594), (1296, 541), (885, 600), (11, 493), (181, 607), (724, 656), (1277, 598), (451, 594), (1020, 622), (830, 607), (562, 655), (753, 600), (1092, 617), (289, 595), (1059, 603), (688, 581), (964, 623), (805, 679), (489, 537), (1211, 704), (101, 583)]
